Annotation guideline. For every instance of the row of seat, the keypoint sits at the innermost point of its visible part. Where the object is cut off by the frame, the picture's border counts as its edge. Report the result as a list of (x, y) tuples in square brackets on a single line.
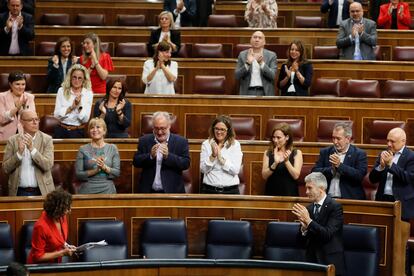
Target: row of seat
[(226, 239), (217, 50)]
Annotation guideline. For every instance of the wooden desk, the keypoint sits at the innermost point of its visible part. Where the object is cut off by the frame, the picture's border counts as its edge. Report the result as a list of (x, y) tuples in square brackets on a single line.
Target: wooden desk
[(197, 210)]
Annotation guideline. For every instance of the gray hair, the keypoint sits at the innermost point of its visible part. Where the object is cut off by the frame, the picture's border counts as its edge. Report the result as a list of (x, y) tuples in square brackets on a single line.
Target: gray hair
[(346, 126), (164, 114), (318, 179)]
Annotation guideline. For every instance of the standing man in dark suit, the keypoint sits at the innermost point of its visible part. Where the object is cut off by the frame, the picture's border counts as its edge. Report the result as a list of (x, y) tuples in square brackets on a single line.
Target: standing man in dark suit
[(321, 224), (16, 30), (338, 11), (183, 10), (357, 36), (163, 157), (343, 164), (394, 170)]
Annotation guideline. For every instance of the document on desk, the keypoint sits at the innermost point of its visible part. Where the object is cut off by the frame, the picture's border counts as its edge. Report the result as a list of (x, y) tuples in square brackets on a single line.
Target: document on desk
[(90, 245)]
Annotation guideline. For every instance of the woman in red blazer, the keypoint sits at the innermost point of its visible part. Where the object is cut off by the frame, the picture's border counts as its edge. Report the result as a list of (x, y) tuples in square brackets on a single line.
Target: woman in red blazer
[(51, 230), (394, 15)]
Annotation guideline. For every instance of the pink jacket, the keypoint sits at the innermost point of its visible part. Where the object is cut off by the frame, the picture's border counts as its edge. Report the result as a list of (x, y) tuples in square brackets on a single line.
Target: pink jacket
[(9, 127)]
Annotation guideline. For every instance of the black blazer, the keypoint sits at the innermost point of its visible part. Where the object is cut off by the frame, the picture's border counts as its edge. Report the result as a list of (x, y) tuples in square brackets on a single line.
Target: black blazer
[(171, 170), (323, 239), (55, 75), (352, 171), (155, 37), (306, 70), (402, 181), (25, 34), (187, 17)]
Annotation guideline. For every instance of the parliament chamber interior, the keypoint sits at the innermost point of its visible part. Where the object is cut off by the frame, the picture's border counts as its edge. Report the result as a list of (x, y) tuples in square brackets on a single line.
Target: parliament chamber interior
[(373, 96)]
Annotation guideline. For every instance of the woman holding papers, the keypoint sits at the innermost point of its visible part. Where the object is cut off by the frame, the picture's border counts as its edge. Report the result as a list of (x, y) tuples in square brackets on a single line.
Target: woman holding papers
[(51, 230)]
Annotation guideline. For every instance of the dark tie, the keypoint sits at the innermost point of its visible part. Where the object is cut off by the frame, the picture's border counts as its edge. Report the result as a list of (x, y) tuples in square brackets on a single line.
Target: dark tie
[(316, 210)]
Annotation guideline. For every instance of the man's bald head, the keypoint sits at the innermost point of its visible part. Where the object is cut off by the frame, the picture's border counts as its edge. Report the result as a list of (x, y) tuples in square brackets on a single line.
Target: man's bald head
[(356, 11), (396, 139)]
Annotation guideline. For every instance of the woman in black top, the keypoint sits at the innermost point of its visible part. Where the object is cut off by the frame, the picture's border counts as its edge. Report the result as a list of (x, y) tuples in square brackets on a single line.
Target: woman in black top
[(166, 32), (295, 75), (57, 67), (282, 163), (115, 109)]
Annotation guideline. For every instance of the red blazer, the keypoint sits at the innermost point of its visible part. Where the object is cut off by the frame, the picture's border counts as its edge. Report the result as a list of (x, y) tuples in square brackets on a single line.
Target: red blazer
[(47, 238), (403, 22)]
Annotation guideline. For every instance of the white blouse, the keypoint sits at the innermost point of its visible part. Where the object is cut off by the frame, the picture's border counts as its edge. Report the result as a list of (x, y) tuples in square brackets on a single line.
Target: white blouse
[(78, 116), (159, 84)]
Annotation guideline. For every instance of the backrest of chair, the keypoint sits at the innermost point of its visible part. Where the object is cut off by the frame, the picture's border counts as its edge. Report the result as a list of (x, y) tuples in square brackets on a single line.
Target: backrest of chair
[(399, 89), (112, 231), (6, 244), (281, 242), (188, 181), (146, 124), (379, 130), (244, 128), (48, 123), (207, 50), (361, 249), (209, 85), (131, 20), (296, 125), (325, 52), (378, 52), (90, 19), (238, 48), (26, 241), (132, 49), (229, 239), (184, 51), (55, 19), (306, 169), (45, 48), (322, 87), (403, 53), (222, 20), (164, 239), (325, 128), (308, 22), (362, 89), (57, 176), (242, 179)]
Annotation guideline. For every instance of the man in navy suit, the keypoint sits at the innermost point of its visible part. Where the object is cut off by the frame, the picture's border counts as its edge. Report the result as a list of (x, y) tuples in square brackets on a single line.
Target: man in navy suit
[(321, 224), (162, 156), (343, 164), (338, 11), (183, 10), (16, 30), (394, 170)]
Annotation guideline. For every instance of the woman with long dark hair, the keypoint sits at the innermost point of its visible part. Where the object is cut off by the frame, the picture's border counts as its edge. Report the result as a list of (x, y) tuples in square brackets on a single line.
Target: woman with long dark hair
[(295, 75), (115, 109), (160, 72)]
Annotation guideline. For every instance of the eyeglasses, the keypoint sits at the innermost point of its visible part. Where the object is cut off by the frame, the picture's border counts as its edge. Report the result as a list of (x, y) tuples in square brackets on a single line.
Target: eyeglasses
[(220, 129), (33, 120), (77, 78)]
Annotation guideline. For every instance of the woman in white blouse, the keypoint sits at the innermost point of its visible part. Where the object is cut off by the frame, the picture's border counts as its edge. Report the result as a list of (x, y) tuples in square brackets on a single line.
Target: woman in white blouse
[(73, 103), (160, 72), (221, 159)]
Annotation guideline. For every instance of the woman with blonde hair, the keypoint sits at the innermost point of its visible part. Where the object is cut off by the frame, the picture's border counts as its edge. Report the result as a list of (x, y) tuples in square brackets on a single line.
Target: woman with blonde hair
[(221, 159), (282, 163), (97, 163), (73, 103), (166, 32), (98, 63)]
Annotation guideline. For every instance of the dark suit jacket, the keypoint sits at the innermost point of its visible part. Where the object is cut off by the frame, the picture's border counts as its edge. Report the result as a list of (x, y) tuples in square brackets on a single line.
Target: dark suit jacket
[(204, 9), (171, 169), (368, 40), (306, 69), (187, 17), (324, 236), (26, 34), (55, 75), (403, 181), (333, 11), (352, 171), (155, 37)]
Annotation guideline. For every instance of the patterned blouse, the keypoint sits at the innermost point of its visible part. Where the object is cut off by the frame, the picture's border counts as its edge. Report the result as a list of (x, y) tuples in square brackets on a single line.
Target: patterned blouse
[(261, 13)]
